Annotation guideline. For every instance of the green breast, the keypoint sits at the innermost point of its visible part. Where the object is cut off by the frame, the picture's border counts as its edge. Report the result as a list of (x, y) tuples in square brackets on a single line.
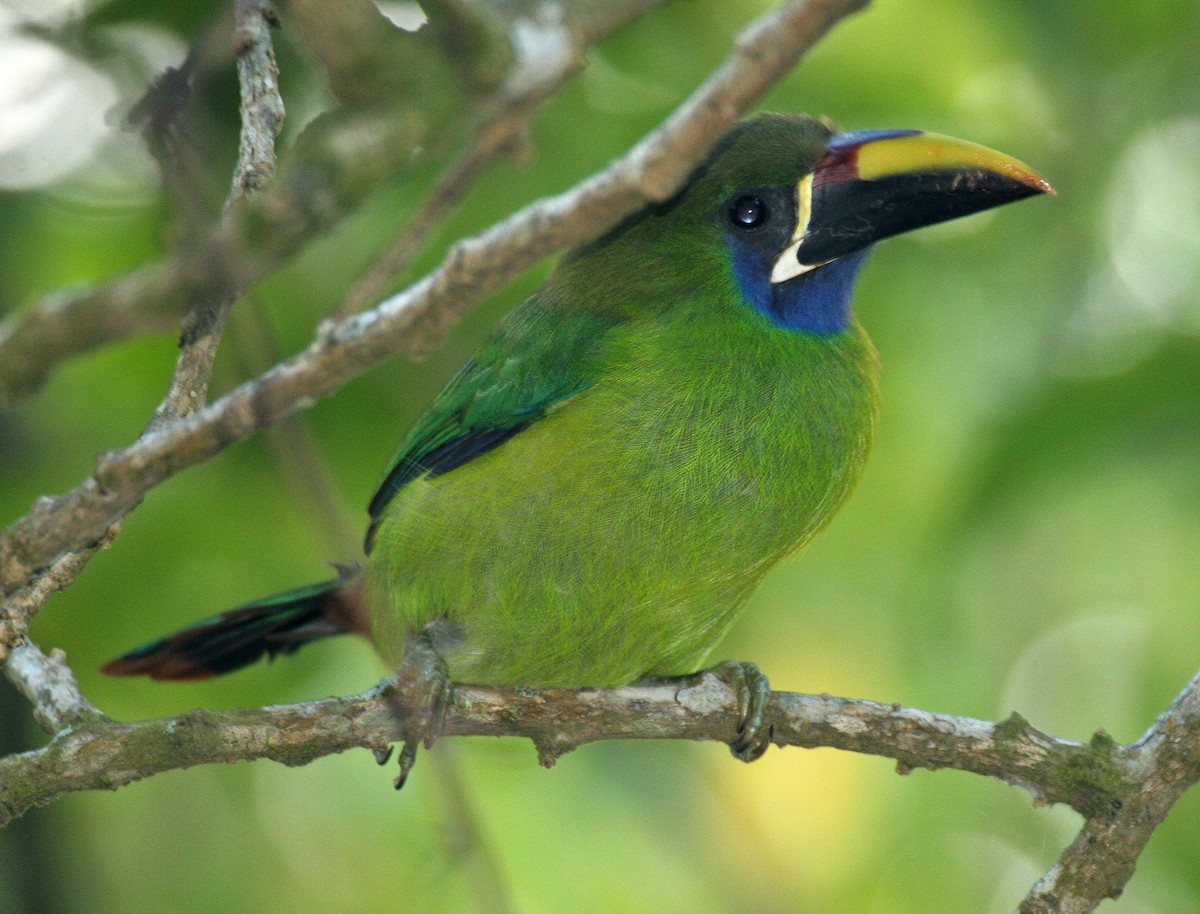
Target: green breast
[(616, 537)]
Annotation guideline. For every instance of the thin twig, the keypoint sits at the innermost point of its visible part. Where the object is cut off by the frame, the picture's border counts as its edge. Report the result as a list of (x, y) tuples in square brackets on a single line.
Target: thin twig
[(489, 142), (262, 119), (262, 105), (346, 159), (51, 688), (262, 112)]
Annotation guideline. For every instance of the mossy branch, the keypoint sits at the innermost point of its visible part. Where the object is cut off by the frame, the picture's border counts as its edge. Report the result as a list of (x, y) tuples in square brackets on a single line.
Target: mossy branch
[(1123, 792), (91, 751)]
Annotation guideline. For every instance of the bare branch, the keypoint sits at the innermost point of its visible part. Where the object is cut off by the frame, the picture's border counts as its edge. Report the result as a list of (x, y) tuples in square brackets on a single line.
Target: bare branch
[(344, 155), (1125, 792), (105, 754), (51, 688), (262, 119), (262, 105), (1161, 766), (489, 142)]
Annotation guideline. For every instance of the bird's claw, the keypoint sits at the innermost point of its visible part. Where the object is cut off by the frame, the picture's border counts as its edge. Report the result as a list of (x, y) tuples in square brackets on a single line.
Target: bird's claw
[(423, 696), (753, 691), (382, 755)]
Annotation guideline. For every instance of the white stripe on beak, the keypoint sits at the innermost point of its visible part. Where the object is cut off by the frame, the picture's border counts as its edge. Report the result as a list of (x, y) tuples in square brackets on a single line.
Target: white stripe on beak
[(788, 266)]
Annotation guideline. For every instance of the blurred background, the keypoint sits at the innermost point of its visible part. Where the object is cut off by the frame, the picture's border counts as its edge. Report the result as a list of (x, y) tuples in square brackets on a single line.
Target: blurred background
[(1026, 538)]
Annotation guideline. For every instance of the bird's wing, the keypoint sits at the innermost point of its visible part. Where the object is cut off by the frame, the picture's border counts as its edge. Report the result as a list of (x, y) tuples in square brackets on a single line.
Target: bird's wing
[(540, 357)]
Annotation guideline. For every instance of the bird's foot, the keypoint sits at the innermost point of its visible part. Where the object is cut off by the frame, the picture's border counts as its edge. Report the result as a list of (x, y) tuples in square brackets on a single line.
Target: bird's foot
[(423, 694), (753, 691)]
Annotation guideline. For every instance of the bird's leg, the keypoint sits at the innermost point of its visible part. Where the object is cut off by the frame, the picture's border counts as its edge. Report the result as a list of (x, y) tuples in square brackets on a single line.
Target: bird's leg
[(423, 694), (753, 691)]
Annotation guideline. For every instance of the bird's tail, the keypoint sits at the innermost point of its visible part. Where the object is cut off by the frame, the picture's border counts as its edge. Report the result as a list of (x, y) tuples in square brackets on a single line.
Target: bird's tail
[(276, 625)]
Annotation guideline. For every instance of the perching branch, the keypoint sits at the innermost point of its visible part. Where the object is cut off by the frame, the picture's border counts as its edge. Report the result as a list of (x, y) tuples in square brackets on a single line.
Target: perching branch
[(1093, 779), (106, 754), (1123, 791)]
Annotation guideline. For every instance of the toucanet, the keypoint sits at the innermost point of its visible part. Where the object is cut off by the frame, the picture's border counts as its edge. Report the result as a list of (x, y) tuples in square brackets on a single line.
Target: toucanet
[(687, 400)]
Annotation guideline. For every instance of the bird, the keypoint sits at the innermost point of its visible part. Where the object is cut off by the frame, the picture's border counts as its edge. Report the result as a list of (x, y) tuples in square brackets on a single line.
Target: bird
[(683, 403)]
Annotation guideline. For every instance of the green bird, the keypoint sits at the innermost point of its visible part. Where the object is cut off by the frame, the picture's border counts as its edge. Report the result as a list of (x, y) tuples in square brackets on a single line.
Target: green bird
[(684, 402)]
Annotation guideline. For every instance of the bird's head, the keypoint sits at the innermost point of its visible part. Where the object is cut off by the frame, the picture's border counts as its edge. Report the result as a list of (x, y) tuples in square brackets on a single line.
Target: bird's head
[(786, 208)]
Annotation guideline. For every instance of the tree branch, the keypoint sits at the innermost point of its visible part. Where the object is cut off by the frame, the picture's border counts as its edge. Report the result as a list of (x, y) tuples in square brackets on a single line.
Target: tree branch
[(104, 754), (1123, 791), (1160, 767), (262, 118), (344, 155)]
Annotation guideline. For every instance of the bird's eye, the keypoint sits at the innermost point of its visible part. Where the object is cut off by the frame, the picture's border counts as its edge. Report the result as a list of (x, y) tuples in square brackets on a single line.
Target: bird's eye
[(747, 212)]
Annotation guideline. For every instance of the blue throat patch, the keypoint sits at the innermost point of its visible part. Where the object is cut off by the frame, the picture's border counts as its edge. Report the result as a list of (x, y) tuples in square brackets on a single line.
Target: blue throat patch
[(816, 302)]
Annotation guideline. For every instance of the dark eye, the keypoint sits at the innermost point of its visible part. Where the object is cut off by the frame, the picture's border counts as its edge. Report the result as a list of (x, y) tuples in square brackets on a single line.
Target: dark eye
[(747, 212)]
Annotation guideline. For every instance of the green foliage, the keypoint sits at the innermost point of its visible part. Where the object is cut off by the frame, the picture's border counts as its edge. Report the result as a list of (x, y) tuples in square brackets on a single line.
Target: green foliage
[(1025, 537)]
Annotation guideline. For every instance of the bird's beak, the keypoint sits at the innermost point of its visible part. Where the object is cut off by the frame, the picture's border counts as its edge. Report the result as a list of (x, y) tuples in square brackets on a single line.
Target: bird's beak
[(872, 184)]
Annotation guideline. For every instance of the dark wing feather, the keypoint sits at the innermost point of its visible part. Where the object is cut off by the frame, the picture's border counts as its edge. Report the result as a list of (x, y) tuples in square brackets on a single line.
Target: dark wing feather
[(440, 459), (540, 357)]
